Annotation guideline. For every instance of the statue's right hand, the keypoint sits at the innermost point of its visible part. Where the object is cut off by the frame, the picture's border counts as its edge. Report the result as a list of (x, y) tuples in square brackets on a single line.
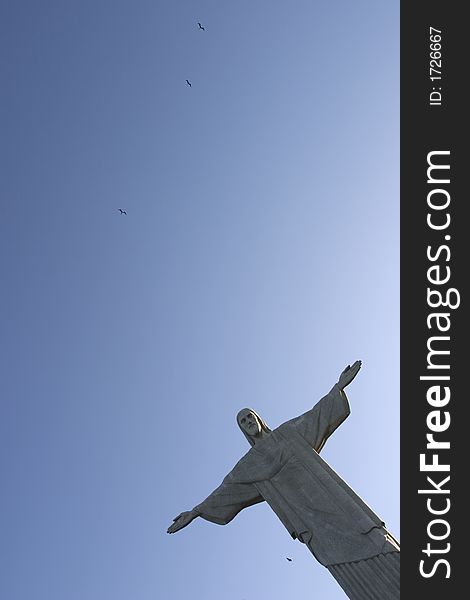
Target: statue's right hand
[(181, 521), (348, 374)]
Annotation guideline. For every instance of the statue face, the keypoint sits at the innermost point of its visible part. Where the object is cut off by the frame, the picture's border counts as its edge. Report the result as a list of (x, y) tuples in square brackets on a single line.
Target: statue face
[(249, 423)]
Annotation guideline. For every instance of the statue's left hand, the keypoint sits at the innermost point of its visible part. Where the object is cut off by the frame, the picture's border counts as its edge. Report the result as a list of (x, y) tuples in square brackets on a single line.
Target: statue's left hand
[(348, 374), (182, 520)]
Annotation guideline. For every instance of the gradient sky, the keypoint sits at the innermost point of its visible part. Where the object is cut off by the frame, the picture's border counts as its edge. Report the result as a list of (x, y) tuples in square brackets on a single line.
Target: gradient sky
[(259, 256)]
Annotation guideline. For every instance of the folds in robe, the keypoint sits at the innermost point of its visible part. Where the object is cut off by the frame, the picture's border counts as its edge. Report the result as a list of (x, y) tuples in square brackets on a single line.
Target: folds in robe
[(311, 500)]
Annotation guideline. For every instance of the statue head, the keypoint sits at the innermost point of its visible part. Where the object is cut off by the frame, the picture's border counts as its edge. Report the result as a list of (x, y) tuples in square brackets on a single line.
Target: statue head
[(252, 425)]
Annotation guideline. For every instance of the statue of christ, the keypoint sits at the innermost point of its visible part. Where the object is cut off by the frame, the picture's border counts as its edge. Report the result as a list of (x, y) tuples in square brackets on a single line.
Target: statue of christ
[(284, 468)]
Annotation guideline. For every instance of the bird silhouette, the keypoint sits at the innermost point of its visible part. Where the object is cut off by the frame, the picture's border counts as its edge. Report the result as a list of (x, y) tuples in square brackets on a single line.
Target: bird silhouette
[(201, 27), (123, 212), (188, 83), (289, 559)]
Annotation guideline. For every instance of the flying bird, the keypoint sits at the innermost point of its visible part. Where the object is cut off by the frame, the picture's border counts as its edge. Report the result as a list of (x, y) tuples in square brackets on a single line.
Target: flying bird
[(201, 27), (188, 83), (289, 559), (123, 212)]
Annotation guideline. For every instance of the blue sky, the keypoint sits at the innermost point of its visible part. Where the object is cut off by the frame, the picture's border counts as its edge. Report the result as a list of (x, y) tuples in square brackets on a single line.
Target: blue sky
[(258, 257)]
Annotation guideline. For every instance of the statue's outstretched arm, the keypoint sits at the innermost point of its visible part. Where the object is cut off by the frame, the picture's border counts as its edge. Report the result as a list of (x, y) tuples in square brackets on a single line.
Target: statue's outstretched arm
[(318, 423), (222, 505)]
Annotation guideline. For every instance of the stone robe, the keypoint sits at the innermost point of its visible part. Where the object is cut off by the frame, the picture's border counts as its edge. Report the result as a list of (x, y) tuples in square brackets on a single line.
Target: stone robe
[(315, 505)]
